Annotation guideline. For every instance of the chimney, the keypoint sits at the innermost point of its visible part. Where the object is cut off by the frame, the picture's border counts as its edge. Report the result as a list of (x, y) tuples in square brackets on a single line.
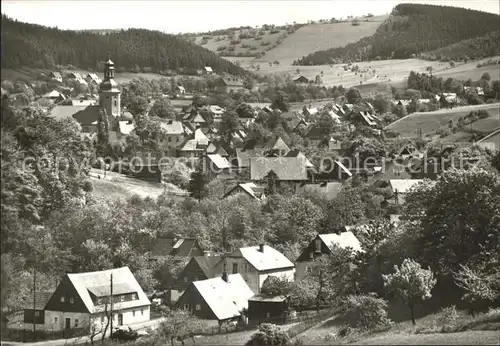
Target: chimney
[(261, 248)]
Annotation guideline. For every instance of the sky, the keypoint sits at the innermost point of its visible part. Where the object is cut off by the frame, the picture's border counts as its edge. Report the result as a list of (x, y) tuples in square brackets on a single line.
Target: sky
[(199, 16)]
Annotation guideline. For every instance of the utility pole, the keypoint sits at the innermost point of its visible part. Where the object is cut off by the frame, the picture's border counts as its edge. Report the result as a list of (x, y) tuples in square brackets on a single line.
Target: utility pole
[(34, 302), (111, 304)]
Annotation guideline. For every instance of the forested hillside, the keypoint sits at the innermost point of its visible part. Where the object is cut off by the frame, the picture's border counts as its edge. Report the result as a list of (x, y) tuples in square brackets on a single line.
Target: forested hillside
[(410, 30), (475, 48), (33, 45)]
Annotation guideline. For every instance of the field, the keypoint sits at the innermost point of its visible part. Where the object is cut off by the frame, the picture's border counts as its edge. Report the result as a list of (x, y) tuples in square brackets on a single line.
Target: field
[(311, 38), (479, 330), (429, 122), (118, 186)]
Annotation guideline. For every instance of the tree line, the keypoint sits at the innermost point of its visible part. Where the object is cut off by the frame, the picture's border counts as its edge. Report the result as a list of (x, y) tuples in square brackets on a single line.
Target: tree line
[(38, 46), (412, 29)]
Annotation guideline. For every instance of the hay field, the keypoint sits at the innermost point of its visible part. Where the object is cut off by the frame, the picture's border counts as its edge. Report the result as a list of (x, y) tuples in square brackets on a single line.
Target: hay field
[(429, 122), (311, 38)]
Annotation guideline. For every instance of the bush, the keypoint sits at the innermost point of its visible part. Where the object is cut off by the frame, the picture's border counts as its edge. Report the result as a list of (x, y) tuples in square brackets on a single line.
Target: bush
[(365, 311), (269, 334), (447, 315)]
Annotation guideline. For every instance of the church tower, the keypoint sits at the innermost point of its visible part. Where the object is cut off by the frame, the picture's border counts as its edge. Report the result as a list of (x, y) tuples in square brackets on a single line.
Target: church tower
[(109, 94)]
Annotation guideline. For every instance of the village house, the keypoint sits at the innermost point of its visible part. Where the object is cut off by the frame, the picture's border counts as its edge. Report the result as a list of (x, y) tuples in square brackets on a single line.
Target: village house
[(368, 118), (81, 300), (198, 268), (400, 188), (221, 298), (172, 136), (93, 78), (262, 309), (294, 121), (174, 245), (226, 85), (217, 166), (179, 89), (301, 80), (338, 109), (56, 76), (290, 169), (447, 99), (409, 150), (309, 112), (216, 112), (250, 189), (195, 147), (324, 244), (215, 147), (54, 96), (331, 144), (36, 315), (314, 135), (255, 264), (208, 70), (329, 190)]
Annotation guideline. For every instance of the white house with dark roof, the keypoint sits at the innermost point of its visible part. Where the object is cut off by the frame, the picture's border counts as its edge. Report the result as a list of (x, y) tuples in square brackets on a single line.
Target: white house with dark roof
[(324, 244), (81, 299), (172, 135), (255, 264)]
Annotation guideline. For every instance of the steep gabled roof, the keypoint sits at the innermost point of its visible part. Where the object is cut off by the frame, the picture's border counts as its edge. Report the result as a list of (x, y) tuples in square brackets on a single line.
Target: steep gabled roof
[(342, 240), (41, 300), (85, 283), (225, 299), (269, 259), (250, 189), (277, 144), (172, 246), (286, 168), (219, 161), (298, 153), (206, 264)]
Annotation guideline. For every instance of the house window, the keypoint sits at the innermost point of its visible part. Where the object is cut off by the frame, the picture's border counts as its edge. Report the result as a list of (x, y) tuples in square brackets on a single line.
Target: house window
[(185, 279), (56, 319), (37, 313), (317, 246), (311, 254), (114, 317), (136, 296), (116, 103), (133, 313), (268, 314), (76, 322), (142, 312), (177, 139), (198, 307), (170, 139), (62, 299), (71, 300), (122, 298), (235, 268)]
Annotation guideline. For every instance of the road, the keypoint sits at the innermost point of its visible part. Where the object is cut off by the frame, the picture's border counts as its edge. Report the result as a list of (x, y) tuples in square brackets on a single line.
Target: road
[(81, 340), (471, 337)]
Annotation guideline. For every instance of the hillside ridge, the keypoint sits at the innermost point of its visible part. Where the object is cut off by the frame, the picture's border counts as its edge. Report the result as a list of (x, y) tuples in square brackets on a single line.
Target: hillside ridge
[(33, 45)]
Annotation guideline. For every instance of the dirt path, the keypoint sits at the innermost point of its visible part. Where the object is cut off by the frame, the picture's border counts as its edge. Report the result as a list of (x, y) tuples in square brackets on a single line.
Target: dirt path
[(472, 337)]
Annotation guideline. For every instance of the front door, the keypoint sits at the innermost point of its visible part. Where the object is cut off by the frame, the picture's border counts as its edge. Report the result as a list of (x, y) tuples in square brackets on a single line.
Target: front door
[(120, 319), (68, 323)]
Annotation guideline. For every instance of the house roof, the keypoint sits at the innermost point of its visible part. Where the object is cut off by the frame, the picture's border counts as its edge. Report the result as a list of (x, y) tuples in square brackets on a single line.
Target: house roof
[(366, 117), (219, 161), (84, 283), (172, 246), (62, 112), (298, 153), (251, 189), (83, 102), (56, 74), (126, 127), (180, 87), (194, 144), (172, 127), (41, 300), (403, 185), (330, 189), (217, 110), (314, 132), (206, 264), (52, 94), (270, 259), (208, 69), (342, 240), (198, 119), (286, 168), (234, 82), (263, 298), (225, 299), (89, 115), (299, 78), (277, 144), (312, 110)]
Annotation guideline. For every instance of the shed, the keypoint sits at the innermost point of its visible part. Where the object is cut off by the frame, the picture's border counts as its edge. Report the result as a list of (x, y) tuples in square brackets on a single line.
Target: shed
[(262, 308)]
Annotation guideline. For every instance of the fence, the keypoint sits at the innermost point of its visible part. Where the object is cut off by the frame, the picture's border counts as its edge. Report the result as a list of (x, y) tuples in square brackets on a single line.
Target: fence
[(26, 335), (301, 317), (310, 322)]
